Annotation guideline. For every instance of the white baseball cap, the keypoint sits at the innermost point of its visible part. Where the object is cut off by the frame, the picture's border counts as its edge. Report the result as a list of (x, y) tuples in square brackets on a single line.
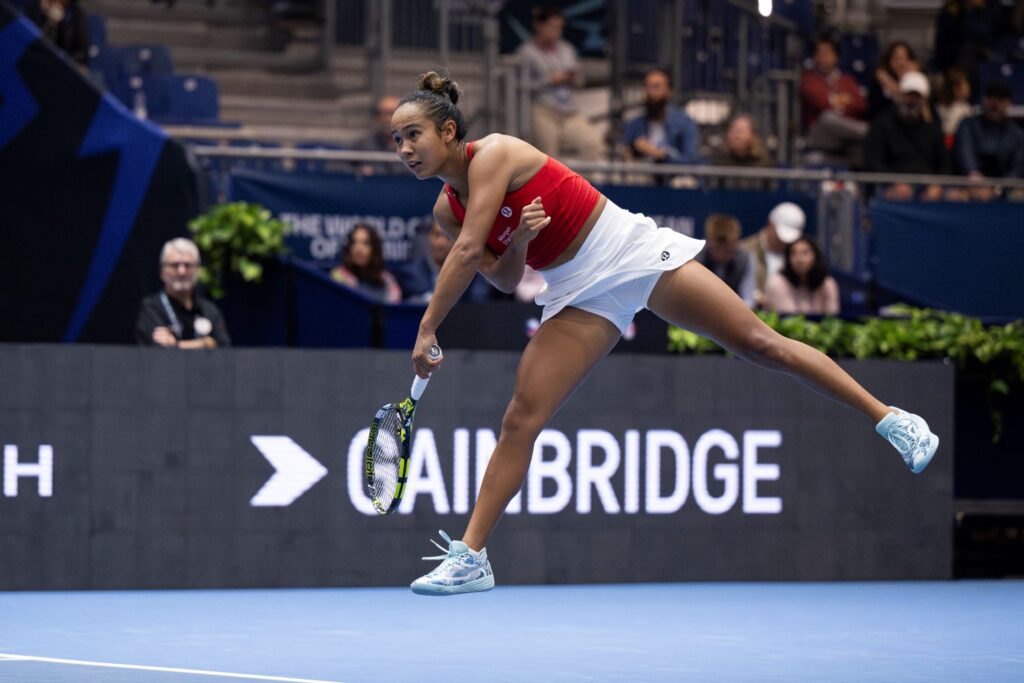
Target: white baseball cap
[(915, 81), (789, 220)]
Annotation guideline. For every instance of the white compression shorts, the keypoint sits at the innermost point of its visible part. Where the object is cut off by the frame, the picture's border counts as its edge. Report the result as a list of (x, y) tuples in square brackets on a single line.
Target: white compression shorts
[(616, 268)]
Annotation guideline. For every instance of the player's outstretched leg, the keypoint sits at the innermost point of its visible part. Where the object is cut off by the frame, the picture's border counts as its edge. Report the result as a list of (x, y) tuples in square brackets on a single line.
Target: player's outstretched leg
[(556, 361), (694, 298)]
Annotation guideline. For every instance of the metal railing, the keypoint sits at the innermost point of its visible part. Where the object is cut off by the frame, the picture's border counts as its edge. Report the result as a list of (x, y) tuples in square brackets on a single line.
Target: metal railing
[(840, 195)]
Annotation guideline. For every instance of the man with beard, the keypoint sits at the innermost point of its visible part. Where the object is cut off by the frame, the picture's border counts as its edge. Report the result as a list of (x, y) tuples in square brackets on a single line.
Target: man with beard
[(663, 133), (989, 144), (178, 316), (907, 138)]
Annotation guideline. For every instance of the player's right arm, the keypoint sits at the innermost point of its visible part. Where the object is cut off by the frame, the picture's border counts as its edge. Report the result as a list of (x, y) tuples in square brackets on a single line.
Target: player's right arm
[(506, 271)]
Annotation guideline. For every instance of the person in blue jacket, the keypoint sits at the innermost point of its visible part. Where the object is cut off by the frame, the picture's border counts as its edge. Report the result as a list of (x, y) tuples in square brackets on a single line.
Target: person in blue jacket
[(663, 133)]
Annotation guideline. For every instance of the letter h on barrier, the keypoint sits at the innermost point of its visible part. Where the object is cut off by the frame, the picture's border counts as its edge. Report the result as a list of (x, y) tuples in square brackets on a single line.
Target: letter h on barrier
[(41, 470)]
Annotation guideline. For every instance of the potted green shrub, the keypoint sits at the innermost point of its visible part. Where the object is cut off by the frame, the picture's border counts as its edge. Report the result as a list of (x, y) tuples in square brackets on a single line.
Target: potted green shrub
[(236, 237)]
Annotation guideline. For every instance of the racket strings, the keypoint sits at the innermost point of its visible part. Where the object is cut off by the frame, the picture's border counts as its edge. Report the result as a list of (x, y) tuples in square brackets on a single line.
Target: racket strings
[(386, 455)]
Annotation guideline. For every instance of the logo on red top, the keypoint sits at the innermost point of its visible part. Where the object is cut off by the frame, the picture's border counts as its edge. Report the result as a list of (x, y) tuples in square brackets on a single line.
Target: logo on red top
[(506, 211)]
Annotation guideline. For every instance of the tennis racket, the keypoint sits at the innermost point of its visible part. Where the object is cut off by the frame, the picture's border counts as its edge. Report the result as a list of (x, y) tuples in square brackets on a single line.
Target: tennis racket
[(387, 449)]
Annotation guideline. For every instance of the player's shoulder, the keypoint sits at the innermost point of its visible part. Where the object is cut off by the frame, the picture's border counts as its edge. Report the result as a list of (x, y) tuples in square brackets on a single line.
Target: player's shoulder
[(504, 151), (497, 144)]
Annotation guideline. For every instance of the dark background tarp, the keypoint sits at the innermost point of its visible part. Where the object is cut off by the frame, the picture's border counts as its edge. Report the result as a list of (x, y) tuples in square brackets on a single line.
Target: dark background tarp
[(88, 196), (155, 467), (961, 257)]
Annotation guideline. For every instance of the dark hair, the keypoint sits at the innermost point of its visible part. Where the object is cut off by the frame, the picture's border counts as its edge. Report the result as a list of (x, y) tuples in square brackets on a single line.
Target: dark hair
[(998, 90), (829, 40), (815, 276), (542, 13), (892, 47), (437, 95), (947, 91), (659, 70), (372, 272), (721, 227)]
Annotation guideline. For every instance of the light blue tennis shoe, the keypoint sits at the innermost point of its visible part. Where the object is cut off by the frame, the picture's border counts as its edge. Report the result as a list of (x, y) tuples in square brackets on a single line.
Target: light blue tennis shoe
[(910, 436), (461, 571)]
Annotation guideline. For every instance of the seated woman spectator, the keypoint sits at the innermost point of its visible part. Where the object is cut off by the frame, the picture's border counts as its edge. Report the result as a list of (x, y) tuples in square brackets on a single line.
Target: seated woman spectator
[(953, 102), (897, 60), (362, 267), (65, 23), (742, 146), (804, 285)]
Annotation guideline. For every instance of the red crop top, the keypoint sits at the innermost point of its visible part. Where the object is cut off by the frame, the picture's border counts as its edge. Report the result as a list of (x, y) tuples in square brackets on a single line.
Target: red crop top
[(568, 199)]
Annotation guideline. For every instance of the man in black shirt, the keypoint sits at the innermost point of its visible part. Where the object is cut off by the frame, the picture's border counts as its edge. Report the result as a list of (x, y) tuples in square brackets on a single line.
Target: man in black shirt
[(908, 139), (178, 316)]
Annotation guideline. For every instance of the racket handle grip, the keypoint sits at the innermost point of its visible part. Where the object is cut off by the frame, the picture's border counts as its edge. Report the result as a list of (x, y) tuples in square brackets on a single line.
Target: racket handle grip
[(419, 385)]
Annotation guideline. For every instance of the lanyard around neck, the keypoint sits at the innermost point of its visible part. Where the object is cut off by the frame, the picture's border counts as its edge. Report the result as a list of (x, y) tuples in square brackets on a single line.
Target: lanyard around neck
[(169, 310)]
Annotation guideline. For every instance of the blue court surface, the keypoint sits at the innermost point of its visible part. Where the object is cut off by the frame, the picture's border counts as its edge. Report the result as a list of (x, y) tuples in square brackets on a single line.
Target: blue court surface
[(942, 631)]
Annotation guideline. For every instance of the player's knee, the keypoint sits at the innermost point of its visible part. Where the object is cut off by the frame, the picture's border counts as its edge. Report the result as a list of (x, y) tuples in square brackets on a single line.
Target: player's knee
[(522, 420)]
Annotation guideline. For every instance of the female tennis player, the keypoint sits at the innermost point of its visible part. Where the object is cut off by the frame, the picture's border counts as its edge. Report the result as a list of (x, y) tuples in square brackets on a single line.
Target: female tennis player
[(506, 205)]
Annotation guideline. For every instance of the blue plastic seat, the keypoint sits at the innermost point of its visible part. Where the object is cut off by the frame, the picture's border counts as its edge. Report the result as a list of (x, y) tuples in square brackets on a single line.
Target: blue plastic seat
[(147, 60), (97, 29)]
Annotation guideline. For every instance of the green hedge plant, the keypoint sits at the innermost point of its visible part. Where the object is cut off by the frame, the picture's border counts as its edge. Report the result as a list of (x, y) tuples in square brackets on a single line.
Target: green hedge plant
[(236, 237)]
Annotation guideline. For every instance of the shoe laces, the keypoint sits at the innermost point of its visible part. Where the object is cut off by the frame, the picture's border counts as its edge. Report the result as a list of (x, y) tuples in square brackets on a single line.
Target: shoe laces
[(449, 558)]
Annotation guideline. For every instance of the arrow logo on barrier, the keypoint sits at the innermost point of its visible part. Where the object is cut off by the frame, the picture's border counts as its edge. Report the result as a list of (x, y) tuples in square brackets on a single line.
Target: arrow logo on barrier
[(295, 471)]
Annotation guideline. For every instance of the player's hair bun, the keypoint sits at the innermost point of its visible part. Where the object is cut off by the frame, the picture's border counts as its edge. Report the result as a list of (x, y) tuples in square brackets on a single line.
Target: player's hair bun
[(442, 85)]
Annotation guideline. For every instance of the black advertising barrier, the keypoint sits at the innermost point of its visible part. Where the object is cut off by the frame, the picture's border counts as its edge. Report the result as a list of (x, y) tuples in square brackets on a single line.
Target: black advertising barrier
[(135, 468)]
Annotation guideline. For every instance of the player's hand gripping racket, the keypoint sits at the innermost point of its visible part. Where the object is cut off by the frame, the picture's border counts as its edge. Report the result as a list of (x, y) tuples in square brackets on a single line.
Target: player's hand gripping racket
[(387, 450)]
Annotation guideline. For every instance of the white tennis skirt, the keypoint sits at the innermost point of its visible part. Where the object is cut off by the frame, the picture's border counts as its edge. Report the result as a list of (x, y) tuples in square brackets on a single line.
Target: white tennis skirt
[(617, 267)]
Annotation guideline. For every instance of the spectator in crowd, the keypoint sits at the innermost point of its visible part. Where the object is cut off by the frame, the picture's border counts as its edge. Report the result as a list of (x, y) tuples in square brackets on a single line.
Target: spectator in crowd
[(742, 146), (804, 285), (907, 139), (833, 106), (725, 257), (362, 267), (552, 74), (379, 140), (179, 316), (768, 247), (990, 145), (953, 102), (65, 23), (884, 90), (965, 33), (439, 245), (663, 133)]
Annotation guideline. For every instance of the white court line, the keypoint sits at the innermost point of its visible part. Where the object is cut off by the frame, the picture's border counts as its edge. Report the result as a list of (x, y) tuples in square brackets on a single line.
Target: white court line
[(160, 669)]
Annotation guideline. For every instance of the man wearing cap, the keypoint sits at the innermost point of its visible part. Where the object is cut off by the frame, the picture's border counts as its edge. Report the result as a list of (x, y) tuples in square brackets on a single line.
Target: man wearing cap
[(907, 138), (768, 247), (989, 144)]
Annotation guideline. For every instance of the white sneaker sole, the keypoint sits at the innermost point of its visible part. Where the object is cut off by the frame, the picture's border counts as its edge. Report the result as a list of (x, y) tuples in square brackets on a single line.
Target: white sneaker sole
[(484, 583), (923, 462)]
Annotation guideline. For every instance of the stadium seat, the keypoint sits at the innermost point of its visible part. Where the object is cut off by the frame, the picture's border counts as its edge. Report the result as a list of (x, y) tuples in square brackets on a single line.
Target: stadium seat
[(1007, 72), (180, 98), (858, 55), (147, 60), (105, 65), (97, 30)]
